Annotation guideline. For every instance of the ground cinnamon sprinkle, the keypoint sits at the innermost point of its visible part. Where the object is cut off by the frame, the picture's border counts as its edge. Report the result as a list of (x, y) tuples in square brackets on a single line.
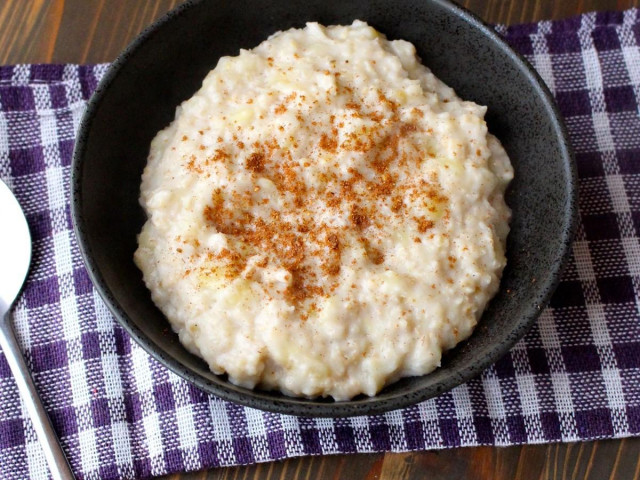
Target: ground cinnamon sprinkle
[(291, 236), (328, 143), (218, 155), (396, 203), (375, 255), (358, 217), (191, 165), (255, 162), (423, 224)]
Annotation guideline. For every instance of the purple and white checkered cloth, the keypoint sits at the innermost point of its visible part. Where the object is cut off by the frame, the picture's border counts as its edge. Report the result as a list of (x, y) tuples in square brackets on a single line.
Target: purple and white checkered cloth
[(120, 414)]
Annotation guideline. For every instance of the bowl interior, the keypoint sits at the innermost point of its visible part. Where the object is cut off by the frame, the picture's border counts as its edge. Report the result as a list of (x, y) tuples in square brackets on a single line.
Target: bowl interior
[(166, 66)]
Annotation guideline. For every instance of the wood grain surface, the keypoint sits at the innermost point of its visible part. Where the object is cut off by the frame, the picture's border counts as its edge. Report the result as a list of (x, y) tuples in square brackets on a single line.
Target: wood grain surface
[(92, 31)]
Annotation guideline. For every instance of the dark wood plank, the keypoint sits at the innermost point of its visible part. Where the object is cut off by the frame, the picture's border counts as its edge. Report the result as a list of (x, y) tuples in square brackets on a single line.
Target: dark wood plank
[(73, 31), (608, 459), (92, 31)]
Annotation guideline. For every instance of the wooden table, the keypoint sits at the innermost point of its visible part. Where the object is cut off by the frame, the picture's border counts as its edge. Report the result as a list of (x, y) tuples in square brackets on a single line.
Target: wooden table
[(91, 31)]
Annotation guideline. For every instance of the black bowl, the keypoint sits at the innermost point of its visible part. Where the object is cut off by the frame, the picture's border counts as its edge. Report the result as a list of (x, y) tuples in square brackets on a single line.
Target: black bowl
[(166, 65)]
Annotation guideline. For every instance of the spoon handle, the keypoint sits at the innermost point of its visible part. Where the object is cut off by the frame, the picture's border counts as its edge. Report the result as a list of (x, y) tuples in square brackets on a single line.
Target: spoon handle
[(58, 465)]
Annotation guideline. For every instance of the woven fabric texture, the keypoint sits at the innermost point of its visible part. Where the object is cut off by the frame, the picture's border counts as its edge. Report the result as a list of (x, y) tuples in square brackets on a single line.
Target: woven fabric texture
[(121, 415)]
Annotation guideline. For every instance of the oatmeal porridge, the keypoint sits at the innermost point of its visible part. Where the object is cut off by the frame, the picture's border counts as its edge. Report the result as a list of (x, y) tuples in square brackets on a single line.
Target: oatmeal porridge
[(325, 216)]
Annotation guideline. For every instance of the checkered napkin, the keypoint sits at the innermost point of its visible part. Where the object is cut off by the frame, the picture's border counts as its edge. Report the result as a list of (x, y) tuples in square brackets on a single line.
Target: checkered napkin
[(120, 414)]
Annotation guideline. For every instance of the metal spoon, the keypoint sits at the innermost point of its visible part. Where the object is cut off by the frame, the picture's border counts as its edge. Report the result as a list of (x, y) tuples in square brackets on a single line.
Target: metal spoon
[(15, 258)]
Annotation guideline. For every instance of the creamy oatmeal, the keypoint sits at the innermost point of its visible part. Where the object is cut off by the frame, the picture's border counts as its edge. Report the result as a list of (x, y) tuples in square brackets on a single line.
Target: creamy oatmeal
[(325, 216)]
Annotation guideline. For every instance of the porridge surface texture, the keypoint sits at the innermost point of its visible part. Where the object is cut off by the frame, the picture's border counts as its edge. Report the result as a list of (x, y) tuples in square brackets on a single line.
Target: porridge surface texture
[(325, 216)]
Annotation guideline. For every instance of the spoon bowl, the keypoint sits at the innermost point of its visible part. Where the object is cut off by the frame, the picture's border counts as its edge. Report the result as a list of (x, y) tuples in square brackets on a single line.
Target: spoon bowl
[(15, 249)]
